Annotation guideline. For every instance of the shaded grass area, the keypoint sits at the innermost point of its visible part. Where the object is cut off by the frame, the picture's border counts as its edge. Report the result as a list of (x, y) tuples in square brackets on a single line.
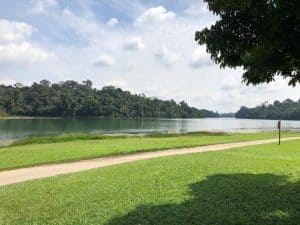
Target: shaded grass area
[(231, 187), (37, 154)]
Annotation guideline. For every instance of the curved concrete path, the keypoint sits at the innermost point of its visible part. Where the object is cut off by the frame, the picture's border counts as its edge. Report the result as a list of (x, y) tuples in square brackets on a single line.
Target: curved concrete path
[(37, 172)]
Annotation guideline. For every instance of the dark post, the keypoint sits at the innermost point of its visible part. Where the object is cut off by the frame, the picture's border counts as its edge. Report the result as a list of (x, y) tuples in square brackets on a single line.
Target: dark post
[(279, 131)]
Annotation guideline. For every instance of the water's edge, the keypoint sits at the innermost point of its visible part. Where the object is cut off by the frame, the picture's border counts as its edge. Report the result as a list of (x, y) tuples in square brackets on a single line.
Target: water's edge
[(14, 129)]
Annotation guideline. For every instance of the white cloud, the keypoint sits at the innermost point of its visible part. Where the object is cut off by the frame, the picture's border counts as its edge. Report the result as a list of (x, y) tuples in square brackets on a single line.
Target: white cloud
[(41, 6), (23, 53), (86, 27), (134, 44), (121, 83), (130, 66), (104, 60), (231, 82), (166, 56), (200, 58), (7, 81), (154, 16), (197, 8), (14, 46), (112, 22), (15, 32)]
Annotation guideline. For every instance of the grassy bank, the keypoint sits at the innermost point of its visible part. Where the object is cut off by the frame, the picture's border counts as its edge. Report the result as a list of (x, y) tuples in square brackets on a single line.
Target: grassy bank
[(254, 185), (64, 138), (35, 154)]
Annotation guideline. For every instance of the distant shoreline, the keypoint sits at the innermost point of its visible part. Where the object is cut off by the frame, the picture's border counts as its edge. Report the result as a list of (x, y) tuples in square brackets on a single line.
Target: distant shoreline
[(100, 117)]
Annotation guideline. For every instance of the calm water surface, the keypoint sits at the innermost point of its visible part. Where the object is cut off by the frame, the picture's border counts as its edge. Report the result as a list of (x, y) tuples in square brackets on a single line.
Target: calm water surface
[(12, 129)]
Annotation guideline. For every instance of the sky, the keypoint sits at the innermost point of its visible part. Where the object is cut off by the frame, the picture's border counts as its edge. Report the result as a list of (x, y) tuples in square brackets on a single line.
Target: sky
[(144, 46)]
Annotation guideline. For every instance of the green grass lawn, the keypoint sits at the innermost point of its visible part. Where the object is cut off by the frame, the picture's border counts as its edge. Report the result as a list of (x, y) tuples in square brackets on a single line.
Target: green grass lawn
[(258, 185), (100, 146)]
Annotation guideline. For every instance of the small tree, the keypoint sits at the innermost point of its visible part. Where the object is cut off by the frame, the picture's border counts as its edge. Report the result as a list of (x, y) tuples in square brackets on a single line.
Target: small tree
[(45, 82), (262, 36), (18, 85), (88, 83)]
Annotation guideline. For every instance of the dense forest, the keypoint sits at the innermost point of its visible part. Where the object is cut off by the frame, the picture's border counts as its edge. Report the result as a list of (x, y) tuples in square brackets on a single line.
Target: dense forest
[(287, 110), (71, 98)]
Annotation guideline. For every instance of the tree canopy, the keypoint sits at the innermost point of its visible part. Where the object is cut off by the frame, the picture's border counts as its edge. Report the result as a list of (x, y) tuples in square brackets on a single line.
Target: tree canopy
[(288, 110), (71, 98), (261, 36)]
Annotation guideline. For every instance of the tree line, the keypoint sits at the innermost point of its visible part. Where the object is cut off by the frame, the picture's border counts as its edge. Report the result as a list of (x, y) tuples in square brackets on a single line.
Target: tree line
[(70, 98), (287, 110)]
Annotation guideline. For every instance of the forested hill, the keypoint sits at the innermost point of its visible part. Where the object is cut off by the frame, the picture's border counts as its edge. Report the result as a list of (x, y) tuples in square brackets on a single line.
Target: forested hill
[(71, 98), (287, 110)]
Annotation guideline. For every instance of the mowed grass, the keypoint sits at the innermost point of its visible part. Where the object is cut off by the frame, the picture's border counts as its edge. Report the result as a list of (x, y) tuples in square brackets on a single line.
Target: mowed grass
[(46, 153), (258, 185)]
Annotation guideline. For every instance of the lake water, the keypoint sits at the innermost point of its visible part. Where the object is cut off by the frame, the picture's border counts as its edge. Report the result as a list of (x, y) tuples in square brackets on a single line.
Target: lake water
[(12, 129)]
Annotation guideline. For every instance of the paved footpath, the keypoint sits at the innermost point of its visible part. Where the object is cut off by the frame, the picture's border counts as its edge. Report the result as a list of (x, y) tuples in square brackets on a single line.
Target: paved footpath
[(37, 172)]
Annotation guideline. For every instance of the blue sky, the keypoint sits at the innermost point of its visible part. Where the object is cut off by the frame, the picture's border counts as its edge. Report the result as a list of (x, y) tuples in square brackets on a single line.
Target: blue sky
[(143, 46)]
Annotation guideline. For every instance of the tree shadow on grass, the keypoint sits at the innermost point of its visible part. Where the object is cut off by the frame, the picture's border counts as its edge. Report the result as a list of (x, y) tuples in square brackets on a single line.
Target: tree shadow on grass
[(227, 199)]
